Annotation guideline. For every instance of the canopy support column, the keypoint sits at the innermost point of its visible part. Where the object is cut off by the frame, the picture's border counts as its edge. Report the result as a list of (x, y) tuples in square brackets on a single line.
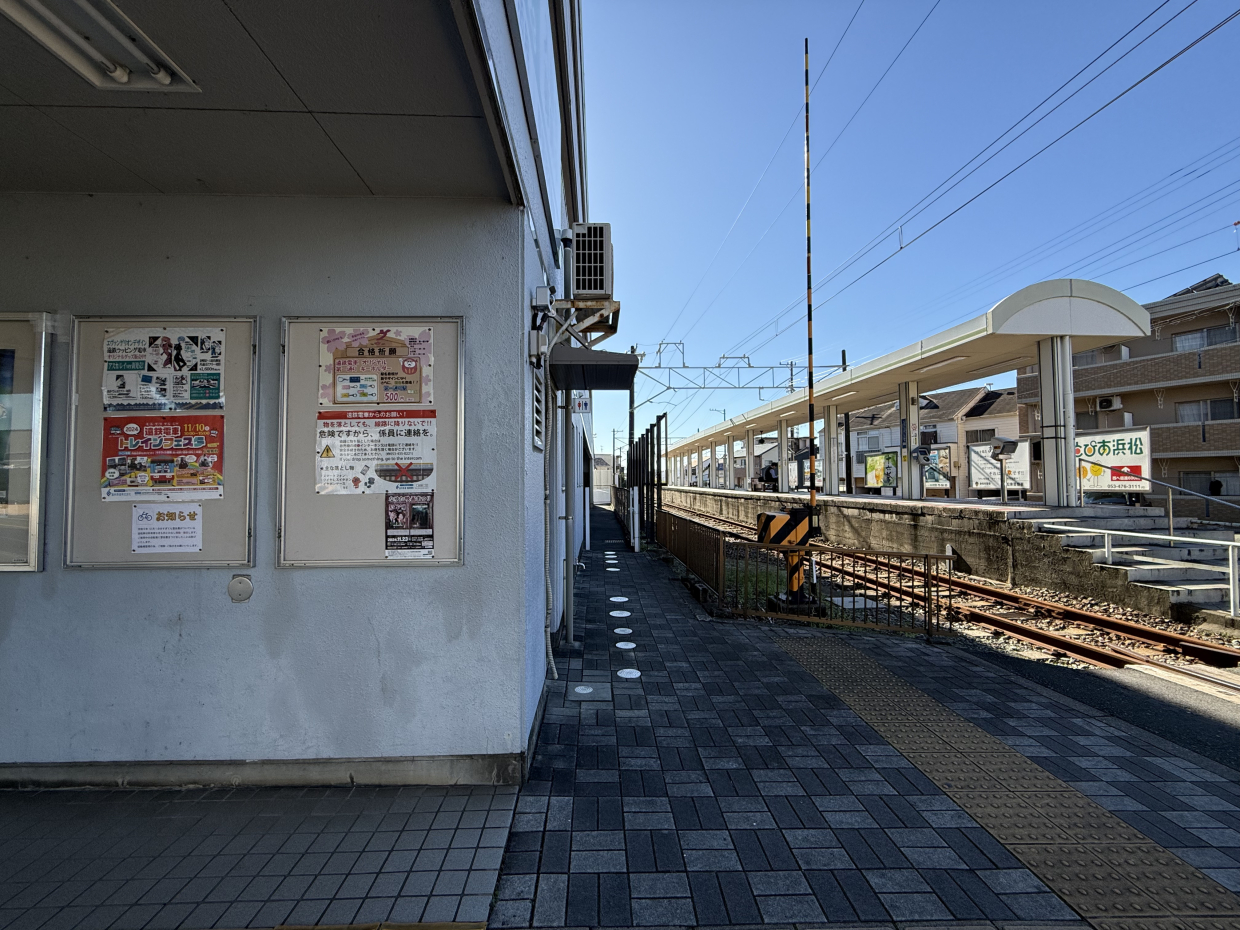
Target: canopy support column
[(783, 456), (729, 468), (704, 468), (1058, 421), (749, 453), (910, 436), (831, 451)]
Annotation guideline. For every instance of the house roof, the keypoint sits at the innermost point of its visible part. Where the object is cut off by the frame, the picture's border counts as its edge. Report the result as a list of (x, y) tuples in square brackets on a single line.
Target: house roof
[(1205, 284), (994, 404)]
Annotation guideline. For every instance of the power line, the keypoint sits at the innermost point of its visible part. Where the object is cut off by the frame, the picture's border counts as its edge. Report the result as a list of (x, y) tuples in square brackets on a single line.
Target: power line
[(891, 227), (758, 184), (1185, 268)]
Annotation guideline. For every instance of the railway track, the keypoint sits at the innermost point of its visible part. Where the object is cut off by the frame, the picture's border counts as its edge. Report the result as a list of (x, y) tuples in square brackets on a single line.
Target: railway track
[(979, 604)]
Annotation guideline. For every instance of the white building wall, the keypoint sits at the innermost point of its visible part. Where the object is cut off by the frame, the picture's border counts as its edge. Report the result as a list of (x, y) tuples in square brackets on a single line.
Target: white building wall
[(159, 664)]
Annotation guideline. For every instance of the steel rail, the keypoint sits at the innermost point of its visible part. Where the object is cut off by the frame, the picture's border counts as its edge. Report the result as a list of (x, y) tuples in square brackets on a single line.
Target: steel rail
[(1106, 657)]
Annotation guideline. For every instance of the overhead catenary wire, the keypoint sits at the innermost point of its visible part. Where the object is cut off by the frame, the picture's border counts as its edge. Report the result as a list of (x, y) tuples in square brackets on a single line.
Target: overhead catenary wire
[(761, 177), (891, 227)]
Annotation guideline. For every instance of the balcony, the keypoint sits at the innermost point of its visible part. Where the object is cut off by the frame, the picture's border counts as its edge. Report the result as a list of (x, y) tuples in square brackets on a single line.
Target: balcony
[(1217, 363), (1183, 440)]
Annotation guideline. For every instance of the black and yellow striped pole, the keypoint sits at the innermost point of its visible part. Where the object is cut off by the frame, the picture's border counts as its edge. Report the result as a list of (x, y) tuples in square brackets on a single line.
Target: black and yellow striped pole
[(809, 322)]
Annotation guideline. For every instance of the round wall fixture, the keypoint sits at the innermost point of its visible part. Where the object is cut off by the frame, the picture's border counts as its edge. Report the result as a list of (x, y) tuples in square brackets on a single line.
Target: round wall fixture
[(626, 645), (622, 631), (618, 600), (584, 689), (629, 673)]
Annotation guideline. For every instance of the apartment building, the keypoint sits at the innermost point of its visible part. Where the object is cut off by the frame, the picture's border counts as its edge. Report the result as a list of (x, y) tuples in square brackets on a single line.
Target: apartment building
[(1182, 381)]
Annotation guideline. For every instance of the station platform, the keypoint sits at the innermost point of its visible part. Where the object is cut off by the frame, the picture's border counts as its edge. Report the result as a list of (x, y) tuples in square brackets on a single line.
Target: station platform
[(1008, 543), (755, 774)]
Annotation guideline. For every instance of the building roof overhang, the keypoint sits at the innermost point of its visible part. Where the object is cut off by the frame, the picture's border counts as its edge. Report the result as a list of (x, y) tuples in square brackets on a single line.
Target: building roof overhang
[(577, 369), (1003, 338)]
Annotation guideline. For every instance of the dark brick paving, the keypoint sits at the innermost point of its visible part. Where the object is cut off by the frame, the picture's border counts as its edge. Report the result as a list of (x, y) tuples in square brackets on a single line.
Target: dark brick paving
[(1184, 802), (248, 857), (727, 786)]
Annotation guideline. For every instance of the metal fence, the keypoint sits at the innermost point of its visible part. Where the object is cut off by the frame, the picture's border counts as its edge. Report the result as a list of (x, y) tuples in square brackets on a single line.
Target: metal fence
[(698, 547), (816, 583)]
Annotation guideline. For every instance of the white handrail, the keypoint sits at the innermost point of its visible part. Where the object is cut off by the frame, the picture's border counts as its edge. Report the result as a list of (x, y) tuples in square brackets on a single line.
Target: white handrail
[(1232, 546)]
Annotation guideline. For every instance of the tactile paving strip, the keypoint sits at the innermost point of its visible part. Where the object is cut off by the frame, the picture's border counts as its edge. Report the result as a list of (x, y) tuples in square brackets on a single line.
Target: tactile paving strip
[(1113, 875)]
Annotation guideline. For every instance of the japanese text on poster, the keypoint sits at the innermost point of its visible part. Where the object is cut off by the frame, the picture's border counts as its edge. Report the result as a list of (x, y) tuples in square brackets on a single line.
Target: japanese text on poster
[(937, 474), (880, 470), (984, 471), (167, 527), (162, 457), (368, 365), (1116, 460), (163, 368), (409, 526), (374, 451)]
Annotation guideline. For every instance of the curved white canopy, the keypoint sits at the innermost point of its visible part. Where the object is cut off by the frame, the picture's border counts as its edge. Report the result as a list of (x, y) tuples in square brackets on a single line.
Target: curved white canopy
[(1001, 339)]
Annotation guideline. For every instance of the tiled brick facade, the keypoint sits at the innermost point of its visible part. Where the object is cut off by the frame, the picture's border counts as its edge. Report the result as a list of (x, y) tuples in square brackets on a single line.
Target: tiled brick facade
[(1221, 438)]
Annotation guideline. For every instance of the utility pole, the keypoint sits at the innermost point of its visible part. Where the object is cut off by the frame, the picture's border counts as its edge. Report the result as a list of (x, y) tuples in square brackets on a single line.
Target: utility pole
[(848, 459), (809, 323)]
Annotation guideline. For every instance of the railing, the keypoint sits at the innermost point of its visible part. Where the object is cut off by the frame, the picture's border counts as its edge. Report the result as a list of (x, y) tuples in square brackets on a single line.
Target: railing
[(816, 583), (698, 547), (1171, 489), (887, 590), (1232, 569)]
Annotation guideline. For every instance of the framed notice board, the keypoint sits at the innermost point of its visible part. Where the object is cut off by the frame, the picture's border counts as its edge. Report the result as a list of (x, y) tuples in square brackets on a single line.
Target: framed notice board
[(161, 442), (371, 442)]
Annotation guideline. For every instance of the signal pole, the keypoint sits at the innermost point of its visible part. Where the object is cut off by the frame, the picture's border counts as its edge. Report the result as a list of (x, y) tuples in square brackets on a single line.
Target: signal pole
[(809, 321)]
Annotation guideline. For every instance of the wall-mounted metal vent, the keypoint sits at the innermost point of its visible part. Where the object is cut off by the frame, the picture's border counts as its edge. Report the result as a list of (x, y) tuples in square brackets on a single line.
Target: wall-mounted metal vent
[(539, 399), (592, 266)]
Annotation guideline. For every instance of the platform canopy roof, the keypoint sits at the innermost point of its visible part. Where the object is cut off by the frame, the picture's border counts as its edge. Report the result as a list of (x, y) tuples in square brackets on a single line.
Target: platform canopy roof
[(1001, 339)]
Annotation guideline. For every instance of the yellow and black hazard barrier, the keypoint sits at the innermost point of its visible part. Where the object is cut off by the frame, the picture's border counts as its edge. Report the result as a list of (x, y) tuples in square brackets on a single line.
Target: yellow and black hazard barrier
[(788, 529)]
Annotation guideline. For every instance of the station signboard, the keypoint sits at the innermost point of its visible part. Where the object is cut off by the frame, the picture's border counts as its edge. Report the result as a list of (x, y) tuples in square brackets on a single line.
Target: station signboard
[(984, 472), (1114, 460)]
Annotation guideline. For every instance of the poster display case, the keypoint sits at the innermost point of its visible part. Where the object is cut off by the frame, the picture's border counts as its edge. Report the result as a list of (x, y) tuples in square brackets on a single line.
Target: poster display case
[(371, 442), (161, 442), (25, 348)]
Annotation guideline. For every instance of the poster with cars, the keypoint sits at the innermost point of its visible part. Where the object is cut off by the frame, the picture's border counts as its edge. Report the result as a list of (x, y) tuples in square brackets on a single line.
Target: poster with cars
[(937, 473), (375, 366), (177, 457), (881, 470), (984, 474), (1114, 460), (163, 368), (409, 525), (375, 451)]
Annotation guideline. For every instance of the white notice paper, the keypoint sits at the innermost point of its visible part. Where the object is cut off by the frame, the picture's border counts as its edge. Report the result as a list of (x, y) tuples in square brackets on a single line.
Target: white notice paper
[(168, 527)]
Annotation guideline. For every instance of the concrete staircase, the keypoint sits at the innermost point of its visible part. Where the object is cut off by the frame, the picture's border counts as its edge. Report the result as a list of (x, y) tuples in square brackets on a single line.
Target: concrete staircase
[(1192, 573)]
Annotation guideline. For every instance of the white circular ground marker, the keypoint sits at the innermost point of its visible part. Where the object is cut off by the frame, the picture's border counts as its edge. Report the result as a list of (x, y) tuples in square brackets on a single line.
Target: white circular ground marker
[(611, 562), (629, 673), (622, 631), (584, 689), (621, 613), (618, 600), (608, 553), (613, 569), (626, 645)]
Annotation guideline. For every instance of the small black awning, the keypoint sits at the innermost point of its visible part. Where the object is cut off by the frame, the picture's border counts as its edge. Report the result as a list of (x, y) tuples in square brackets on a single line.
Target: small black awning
[(577, 369)]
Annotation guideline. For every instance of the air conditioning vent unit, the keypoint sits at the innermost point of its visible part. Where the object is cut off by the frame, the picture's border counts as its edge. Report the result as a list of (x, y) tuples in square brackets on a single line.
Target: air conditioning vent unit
[(1114, 402), (592, 263)]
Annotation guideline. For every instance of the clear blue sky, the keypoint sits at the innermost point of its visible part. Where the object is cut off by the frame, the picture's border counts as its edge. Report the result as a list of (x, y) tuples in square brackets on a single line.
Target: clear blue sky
[(687, 102)]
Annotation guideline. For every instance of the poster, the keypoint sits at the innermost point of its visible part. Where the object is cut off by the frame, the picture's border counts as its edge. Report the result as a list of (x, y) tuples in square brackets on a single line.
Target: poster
[(937, 474), (409, 526), (984, 470), (375, 451), (373, 366), (163, 368), (178, 457), (167, 528), (1114, 460), (881, 470)]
